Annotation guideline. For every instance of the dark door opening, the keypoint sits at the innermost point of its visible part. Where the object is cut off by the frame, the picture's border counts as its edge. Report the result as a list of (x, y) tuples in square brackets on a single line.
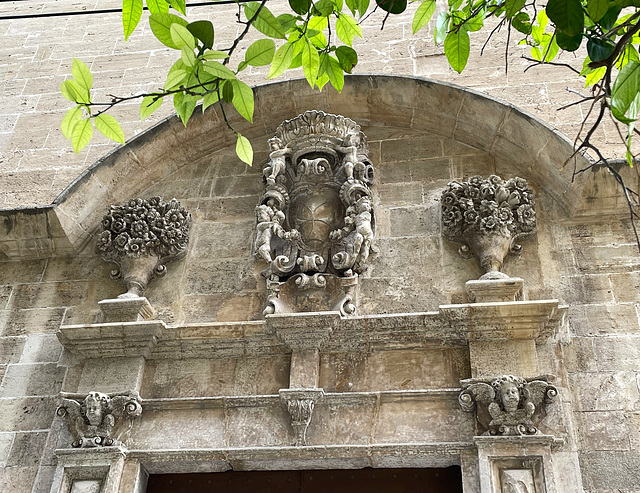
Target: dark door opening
[(442, 480)]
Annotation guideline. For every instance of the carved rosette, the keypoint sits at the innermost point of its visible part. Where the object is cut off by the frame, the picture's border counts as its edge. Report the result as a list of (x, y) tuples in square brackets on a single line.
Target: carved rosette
[(315, 223), (99, 420), (142, 236), (300, 404), (508, 405), (487, 216)]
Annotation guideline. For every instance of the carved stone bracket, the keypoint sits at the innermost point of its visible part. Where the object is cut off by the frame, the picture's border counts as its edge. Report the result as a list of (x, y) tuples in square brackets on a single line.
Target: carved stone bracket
[(142, 236), (487, 216), (300, 404), (99, 420), (315, 222), (508, 405)]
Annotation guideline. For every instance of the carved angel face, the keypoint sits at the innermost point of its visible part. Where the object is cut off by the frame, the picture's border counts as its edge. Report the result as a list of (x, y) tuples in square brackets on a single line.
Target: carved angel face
[(95, 406), (510, 395)]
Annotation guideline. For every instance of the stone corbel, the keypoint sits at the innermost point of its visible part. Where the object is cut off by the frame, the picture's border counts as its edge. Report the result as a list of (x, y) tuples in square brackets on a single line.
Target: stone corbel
[(300, 404), (96, 470)]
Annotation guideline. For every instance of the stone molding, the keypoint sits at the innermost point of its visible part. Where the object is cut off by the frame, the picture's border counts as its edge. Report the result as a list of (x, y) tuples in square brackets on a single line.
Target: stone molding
[(304, 331), (300, 404), (97, 419), (140, 237), (111, 340), (94, 469), (508, 405), (133, 309), (495, 290)]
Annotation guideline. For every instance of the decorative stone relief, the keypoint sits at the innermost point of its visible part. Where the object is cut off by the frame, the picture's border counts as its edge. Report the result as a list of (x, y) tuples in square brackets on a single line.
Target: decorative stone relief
[(300, 404), (142, 236), (487, 216), (517, 481), (315, 222), (510, 405), (99, 420)]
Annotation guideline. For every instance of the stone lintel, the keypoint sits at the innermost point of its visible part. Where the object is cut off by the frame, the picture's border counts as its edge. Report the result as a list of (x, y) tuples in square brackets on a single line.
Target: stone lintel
[(504, 320), (304, 331), (133, 309), (522, 443), (99, 468), (111, 340), (495, 290)]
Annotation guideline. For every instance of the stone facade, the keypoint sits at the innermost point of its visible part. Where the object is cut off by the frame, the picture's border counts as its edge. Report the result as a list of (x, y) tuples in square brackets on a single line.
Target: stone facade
[(220, 385)]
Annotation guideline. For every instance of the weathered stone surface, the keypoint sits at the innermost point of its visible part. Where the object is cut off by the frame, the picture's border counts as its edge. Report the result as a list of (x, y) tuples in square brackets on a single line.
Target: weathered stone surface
[(19, 380), (26, 413), (605, 391), (610, 470), (27, 449), (41, 348)]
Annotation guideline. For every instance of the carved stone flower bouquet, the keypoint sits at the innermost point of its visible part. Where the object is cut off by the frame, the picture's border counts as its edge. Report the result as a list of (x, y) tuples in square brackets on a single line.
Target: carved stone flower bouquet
[(487, 216), (141, 236)]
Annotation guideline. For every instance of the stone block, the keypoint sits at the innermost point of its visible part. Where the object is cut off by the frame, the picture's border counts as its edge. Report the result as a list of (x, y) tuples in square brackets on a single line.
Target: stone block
[(5, 294), (264, 426), (111, 375), (11, 349), (6, 441), (626, 287), (32, 379), (77, 268), (605, 391), (19, 272), (32, 321), (49, 294), (222, 307), (602, 430), (603, 319), (608, 470), (348, 423), (585, 289), (44, 479), (41, 348), (579, 355), (27, 413), (410, 150), (224, 276), (412, 221), (18, 479), (617, 353), (27, 449), (223, 240)]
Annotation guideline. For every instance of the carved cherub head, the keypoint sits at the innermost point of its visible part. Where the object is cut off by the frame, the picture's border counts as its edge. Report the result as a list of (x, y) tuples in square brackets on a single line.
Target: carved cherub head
[(275, 144), (363, 205), (509, 391), (264, 213), (96, 404), (352, 139)]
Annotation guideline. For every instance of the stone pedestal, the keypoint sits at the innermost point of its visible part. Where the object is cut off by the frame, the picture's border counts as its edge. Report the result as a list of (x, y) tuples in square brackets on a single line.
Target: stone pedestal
[(133, 309), (103, 470), (517, 463)]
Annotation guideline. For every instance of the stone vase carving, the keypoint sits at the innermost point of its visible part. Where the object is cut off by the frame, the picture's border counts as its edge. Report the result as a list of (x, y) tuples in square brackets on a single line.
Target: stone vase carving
[(315, 222), (300, 404), (508, 405), (142, 236), (487, 216), (99, 420)]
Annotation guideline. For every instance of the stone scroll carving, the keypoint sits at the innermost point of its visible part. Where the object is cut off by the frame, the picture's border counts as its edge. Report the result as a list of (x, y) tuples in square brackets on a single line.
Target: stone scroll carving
[(140, 237), (487, 216), (315, 221), (99, 420), (509, 405), (300, 404)]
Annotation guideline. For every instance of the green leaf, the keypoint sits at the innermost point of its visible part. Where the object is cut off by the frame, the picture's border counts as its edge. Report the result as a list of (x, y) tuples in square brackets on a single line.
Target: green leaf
[(214, 54), (322, 81), (568, 43), (609, 19), (363, 5), (599, 49), (549, 47), (423, 15), (227, 91), (161, 27), (457, 48), (323, 8), (512, 7), (331, 66), (71, 90), (180, 6), (567, 15), (157, 6), (392, 6), (149, 105), (625, 89), (218, 70), (244, 150), (347, 57), (287, 21), (184, 105), (300, 7), (188, 57), (475, 23), (67, 90), (71, 117), (310, 62), (209, 99), (260, 53), (181, 37), (203, 30), (174, 79), (109, 127), (521, 22), (628, 55), (597, 8), (131, 14), (243, 99), (81, 134), (81, 74), (347, 28), (442, 25), (266, 23), (281, 60), (352, 5)]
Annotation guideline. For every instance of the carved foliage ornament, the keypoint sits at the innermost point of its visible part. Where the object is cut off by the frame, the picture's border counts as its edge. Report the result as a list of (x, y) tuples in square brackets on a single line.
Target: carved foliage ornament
[(141, 236), (509, 405), (99, 420), (315, 221), (487, 216)]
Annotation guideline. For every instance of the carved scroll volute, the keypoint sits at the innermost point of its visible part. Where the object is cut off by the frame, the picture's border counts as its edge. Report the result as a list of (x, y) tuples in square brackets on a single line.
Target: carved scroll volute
[(99, 420), (142, 236), (300, 404), (315, 220), (508, 405), (487, 216)]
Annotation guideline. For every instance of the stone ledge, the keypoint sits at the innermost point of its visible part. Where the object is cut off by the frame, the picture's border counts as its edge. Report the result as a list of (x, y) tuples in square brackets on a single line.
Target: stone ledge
[(166, 461)]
